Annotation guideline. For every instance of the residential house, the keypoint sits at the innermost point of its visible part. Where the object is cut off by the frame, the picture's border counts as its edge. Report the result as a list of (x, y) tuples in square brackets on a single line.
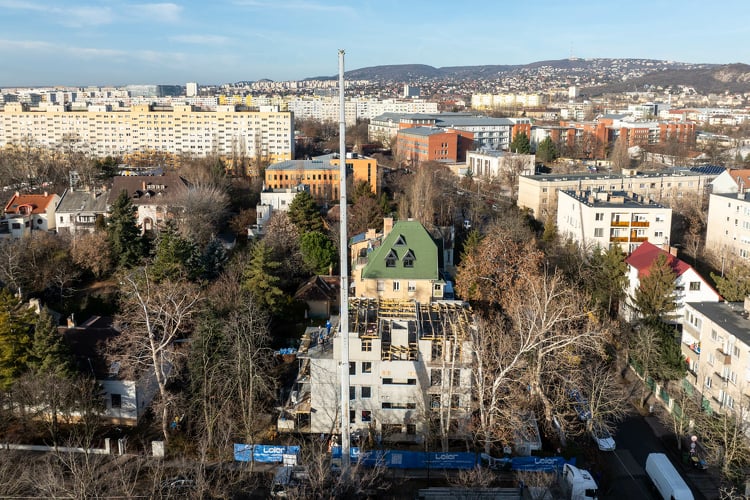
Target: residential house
[(321, 296), (275, 200), (716, 344), (689, 285), (404, 266), (603, 219), (127, 393), (78, 211), (731, 180), (25, 213), (489, 164), (154, 196)]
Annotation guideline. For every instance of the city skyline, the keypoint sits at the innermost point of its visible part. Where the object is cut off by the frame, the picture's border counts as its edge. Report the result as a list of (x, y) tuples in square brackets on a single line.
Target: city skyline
[(77, 43)]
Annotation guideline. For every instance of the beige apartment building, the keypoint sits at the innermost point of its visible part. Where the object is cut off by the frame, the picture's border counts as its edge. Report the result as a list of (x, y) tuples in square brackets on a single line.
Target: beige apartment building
[(539, 193), (728, 225), (604, 219), (716, 343), (179, 129)]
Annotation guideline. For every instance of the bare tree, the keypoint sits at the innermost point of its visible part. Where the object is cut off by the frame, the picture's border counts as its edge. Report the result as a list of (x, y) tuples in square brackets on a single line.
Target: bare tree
[(153, 317), (620, 157), (200, 211)]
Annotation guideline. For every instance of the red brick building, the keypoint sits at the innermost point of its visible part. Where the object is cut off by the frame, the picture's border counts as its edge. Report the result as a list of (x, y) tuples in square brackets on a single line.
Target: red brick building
[(420, 144)]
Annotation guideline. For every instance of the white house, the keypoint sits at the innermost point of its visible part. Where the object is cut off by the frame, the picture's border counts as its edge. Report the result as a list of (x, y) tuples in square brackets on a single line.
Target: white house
[(126, 395), (276, 200), (689, 285), (487, 163), (25, 213), (603, 219), (77, 211), (731, 181)]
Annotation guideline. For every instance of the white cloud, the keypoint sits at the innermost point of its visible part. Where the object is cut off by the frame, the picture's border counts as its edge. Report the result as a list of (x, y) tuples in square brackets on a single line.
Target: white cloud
[(165, 12), (147, 56), (200, 39), (296, 5)]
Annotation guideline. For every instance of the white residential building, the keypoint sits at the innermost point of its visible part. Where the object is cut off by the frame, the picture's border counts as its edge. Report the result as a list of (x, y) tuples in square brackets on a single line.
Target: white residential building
[(728, 225), (490, 164), (603, 219), (276, 200), (689, 285), (716, 344)]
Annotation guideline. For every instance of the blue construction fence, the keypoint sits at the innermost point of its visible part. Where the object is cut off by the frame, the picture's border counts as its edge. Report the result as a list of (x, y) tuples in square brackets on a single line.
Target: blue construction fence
[(263, 453)]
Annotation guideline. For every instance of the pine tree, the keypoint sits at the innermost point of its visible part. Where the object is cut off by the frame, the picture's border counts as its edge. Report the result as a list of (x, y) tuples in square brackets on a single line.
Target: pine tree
[(654, 298), (735, 285), (16, 327), (123, 232), (304, 213), (546, 151), (259, 279), (49, 352), (175, 257), (521, 144), (609, 275), (318, 251)]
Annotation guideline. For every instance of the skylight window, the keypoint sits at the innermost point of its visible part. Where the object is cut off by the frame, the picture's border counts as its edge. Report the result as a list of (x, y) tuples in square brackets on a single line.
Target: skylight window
[(401, 241), (408, 259), (390, 259)]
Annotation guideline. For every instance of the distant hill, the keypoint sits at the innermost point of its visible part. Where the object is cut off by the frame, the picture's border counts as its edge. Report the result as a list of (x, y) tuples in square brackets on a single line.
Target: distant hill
[(614, 75), (714, 79)]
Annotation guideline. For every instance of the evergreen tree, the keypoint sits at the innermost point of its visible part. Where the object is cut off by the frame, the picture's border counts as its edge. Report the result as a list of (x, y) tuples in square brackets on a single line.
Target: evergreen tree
[(259, 279), (175, 257), (49, 352), (734, 286), (472, 241), (304, 213), (318, 251), (123, 232), (16, 327), (609, 275), (214, 259), (546, 151), (654, 298), (521, 144)]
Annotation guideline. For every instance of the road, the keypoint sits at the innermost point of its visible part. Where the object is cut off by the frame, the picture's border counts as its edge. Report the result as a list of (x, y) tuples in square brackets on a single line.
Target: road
[(624, 477)]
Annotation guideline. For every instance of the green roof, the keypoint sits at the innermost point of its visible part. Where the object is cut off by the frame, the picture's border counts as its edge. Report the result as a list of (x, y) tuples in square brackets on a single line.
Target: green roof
[(407, 252)]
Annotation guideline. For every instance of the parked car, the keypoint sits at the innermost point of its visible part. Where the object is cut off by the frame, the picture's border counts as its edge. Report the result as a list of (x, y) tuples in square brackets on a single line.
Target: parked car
[(602, 437), (178, 484)]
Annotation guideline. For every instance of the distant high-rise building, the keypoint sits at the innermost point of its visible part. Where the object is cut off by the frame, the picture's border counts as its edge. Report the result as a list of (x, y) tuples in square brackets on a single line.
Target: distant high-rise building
[(410, 91), (191, 89), (572, 92)]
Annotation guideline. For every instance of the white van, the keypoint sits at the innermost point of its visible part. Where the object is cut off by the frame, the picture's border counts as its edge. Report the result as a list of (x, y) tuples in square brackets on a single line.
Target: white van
[(666, 479)]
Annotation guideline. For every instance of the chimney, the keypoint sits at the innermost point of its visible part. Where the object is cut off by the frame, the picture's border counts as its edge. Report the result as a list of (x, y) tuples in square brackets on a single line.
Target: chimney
[(673, 251), (143, 185), (747, 303), (387, 225), (46, 194), (71, 321)]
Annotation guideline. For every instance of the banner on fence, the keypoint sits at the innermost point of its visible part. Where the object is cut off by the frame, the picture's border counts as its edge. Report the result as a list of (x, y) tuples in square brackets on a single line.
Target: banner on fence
[(263, 453), (243, 452), (395, 459)]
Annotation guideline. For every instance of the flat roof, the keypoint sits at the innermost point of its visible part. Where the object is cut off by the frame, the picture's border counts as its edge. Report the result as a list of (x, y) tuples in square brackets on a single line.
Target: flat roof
[(608, 202), (730, 315)]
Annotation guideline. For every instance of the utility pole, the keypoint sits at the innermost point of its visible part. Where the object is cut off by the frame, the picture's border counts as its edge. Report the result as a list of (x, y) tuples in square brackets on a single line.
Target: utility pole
[(344, 270)]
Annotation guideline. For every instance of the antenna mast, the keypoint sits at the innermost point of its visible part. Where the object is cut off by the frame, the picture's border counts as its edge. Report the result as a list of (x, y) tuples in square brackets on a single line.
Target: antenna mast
[(344, 271)]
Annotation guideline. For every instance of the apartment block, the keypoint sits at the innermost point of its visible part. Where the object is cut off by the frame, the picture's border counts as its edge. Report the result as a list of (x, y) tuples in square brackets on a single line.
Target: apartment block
[(603, 219), (728, 224), (716, 345), (321, 174), (416, 145), (175, 130), (490, 164), (539, 193)]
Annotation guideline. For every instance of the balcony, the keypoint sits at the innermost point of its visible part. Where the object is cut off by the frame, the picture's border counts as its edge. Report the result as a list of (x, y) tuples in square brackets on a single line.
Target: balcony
[(618, 239), (639, 224), (722, 357), (620, 223), (638, 239)]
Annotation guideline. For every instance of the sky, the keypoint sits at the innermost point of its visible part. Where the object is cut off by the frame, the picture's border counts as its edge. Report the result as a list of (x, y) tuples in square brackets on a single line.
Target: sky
[(118, 42)]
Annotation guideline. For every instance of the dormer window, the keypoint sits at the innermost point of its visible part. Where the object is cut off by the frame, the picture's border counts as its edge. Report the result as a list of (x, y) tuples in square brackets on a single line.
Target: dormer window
[(408, 259), (401, 241), (390, 259)]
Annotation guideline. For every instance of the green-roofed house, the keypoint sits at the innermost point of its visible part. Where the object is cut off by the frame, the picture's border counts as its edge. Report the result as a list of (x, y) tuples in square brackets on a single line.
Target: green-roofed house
[(404, 266)]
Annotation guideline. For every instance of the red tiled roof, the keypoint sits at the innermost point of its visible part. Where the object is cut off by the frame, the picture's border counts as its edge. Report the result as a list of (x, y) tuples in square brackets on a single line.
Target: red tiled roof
[(38, 202), (741, 174), (645, 255)]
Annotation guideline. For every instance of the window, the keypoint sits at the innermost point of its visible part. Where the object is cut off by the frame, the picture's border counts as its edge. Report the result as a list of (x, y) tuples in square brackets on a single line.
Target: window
[(352, 393), (396, 286), (409, 259), (398, 406), (366, 367), (456, 380), (736, 351), (367, 345), (714, 335), (711, 358), (436, 376), (366, 416), (708, 382), (390, 259), (435, 401), (352, 415), (366, 392), (352, 368), (412, 286), (437, 350), (381, 285), (599, 216), (116, 400), (399, 381), (455, 401), (598, 232), (695, 286)]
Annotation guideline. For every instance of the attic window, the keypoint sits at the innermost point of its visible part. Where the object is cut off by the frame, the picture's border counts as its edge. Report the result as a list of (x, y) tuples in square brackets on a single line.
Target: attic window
[(401, 241), (390, 259), (409, 259)]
